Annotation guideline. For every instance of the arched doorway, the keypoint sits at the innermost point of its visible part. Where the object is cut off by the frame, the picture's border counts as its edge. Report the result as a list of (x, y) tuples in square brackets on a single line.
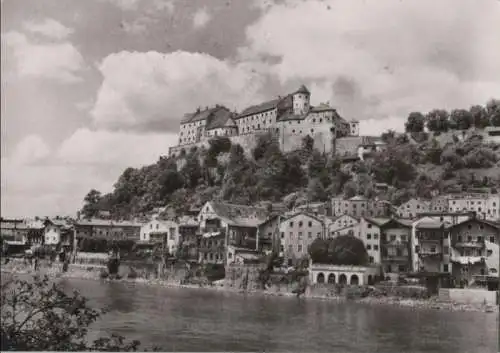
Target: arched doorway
[(343, 279), (331, 278), (320, 278), (370, 280), (354, 280)]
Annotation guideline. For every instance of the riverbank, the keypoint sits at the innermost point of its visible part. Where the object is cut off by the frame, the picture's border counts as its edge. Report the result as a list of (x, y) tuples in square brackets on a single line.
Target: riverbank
[(93, 273)]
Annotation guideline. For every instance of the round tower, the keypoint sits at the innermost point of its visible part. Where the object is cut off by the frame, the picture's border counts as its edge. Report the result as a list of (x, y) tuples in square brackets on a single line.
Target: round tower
[(301, 101)]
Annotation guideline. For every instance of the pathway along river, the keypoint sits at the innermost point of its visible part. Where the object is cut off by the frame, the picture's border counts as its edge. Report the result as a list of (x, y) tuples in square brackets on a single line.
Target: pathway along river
[(203, 320)]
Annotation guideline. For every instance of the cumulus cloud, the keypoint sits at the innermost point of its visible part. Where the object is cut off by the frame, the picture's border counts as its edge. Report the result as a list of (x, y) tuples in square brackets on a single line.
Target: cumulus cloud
[(57, 61), (48, 28), (152, 91), (30, 150), (384, 58), (37, 181), (201, 18)]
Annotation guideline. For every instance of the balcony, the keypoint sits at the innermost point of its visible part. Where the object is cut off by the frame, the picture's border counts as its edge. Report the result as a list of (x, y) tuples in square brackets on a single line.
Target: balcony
[(470, 244), (396, 258)]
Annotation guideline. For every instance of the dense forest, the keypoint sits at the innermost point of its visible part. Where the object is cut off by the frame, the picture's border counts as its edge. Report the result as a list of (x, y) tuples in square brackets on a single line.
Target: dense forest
[(415, 164)]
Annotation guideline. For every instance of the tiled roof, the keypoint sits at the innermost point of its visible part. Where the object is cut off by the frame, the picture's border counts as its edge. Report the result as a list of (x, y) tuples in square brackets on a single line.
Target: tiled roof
[(259, 108), (239, 215), (201, 115), (290, 116), (303, 89), (358, 198), (322, 108), (109, 223)]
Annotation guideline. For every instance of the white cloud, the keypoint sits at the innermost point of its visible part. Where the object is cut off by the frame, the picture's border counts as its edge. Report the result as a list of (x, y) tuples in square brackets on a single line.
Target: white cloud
[(58, 61), (378, 59), (48, 28), (30, 150), (201, 18), (150, 91), (43, 183)]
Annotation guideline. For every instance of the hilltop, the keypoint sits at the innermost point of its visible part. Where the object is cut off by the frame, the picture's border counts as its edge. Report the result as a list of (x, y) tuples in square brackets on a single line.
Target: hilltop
[(414, 164)]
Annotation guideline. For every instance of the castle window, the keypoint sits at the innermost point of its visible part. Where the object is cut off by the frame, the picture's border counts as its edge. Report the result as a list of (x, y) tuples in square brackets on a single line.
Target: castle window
[(314, 120), (320, 120), (312, 130), (293, 131)]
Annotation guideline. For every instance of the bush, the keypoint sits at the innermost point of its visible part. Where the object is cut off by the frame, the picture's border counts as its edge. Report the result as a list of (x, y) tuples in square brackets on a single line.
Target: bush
[(37, 315)]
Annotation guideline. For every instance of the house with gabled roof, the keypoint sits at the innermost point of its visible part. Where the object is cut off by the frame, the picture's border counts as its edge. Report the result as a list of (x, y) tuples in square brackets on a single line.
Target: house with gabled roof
[(236, 224)]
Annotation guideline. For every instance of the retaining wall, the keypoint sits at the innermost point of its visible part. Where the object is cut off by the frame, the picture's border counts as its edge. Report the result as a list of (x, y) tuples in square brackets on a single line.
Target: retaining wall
[(468, 296)]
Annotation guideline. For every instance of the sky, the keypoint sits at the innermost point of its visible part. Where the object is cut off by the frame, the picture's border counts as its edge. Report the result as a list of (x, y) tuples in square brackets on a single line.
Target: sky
[(92, 87)]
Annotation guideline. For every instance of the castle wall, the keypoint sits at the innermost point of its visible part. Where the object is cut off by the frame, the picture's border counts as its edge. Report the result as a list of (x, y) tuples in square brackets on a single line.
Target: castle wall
[(292, 132)]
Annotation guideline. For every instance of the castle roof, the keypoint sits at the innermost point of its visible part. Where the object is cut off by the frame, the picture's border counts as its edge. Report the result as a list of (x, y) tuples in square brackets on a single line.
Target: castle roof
[(303, 89), (259, 108), (322, 108), (202, 114)]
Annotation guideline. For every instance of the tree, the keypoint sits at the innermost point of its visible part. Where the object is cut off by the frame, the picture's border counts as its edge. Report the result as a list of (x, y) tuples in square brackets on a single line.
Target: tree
[(461, 119), (263, 144), (40, 316), (493, 111), (91, 204), (415, 122), (316, 191), (341, 250), (437, 120), (388, 136), (479, 116), (191, 171)]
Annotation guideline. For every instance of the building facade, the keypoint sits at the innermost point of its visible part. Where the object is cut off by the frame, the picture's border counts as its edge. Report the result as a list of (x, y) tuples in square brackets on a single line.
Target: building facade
[(359, 206), (296, 235), (412, 208), (165, 232), (486, 206), (396, 244)]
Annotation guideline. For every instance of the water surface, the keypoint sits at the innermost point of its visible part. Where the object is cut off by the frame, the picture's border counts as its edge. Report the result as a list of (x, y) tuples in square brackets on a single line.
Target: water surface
[(202, 320)]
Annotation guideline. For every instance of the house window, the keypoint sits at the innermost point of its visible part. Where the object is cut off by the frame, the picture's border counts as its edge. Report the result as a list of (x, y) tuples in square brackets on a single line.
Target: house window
[(433, 249), (446, 250), (300, 224), (371, 259), (403, 238), (375, 236), (282, 235), (318, 235), (291, 224), (300, 235), (375, 247), (393, 237), (290, 248), (469, 239), (369, 225), (368, 236), (479, 239), (368, 247), (459, 238), (282, 248), (492, 239), (445, 268), (310, 224), (299, 248), (310, 235)]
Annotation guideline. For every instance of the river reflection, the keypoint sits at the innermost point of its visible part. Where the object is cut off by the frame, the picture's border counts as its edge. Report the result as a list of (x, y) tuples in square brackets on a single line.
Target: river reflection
[(202, 320)]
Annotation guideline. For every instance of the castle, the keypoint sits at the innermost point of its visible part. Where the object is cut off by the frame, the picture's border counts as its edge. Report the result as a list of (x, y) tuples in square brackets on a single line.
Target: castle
[(289, 119)]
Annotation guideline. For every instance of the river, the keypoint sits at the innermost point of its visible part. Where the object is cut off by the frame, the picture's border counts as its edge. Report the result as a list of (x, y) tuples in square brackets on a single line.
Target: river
[(203, 320)]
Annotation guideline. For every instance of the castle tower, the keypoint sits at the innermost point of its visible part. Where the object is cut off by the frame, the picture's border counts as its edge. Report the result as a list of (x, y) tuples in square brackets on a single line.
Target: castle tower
[(301, 101)]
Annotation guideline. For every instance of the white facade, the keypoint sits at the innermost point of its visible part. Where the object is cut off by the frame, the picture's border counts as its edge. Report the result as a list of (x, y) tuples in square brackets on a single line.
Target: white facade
[(191, 132), (411, 208), (487, 206), (348, 275), (297, 233), (340, 223), (52, 234), (158, 230)]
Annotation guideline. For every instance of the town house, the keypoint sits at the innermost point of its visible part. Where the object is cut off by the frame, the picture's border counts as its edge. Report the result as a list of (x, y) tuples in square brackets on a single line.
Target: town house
[(469, 251), (58, 233), (228, 224), (395, 246), (189, 238), (165, 232), (296, 235), (412, 208)]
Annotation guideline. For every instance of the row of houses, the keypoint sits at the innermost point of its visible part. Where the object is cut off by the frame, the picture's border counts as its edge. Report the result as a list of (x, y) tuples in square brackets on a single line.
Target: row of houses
[(459, 246)]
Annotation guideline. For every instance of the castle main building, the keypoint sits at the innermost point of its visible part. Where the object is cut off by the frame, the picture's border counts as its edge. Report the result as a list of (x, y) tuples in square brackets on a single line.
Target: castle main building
[(288, 118)]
